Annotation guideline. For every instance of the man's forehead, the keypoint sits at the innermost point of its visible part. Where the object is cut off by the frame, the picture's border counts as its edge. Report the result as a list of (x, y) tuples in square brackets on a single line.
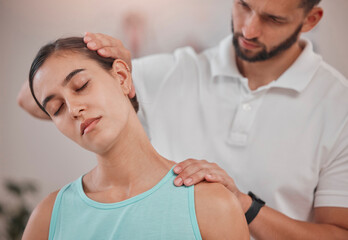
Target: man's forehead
[(273, 6)]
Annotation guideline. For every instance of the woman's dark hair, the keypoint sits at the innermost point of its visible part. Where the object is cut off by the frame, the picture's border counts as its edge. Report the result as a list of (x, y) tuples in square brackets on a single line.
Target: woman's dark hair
[(72, 44)]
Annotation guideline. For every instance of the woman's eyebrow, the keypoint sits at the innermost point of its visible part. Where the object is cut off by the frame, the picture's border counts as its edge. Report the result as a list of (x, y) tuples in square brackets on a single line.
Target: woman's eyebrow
[(65, 82), (46, 100), (71, 75)]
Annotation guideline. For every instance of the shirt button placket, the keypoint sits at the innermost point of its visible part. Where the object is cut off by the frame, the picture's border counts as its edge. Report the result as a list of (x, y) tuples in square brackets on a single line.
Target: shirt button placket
[(244, 118), (246, 107), (239, 133)]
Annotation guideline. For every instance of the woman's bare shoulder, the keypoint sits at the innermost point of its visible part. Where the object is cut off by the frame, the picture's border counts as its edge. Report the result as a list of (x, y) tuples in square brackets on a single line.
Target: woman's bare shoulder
[(219, 213), (39, 222)]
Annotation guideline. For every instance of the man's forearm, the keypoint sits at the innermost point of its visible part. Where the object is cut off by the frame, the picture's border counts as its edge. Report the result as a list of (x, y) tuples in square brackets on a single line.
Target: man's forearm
[(270, 224)]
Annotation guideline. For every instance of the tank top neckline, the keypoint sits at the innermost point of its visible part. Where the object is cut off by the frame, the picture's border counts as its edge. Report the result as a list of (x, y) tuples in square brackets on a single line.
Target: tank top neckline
[(126, 202)]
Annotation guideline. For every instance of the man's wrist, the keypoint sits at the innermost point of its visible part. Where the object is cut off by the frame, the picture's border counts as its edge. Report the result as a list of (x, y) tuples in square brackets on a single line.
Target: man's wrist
[(244, 200), (255, 207)]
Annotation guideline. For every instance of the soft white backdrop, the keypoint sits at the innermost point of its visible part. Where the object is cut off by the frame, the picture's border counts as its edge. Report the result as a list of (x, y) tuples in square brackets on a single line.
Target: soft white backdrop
[(31, 149)]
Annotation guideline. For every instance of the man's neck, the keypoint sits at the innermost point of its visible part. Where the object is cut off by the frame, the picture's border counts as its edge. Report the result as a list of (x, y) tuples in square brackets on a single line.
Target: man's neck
[(262, 73)]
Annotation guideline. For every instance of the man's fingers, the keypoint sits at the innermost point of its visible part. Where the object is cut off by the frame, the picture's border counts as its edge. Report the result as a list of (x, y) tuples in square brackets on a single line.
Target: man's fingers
[(87, 37), (96, 44), (116, 52), (192, 174), (213, 178), (106, 52), (223, 179), (190, 179), (107, 46), (182, 165), (189, 168), (195, 178), (99, 37), (107, 40), (193, 171), (96, 41)]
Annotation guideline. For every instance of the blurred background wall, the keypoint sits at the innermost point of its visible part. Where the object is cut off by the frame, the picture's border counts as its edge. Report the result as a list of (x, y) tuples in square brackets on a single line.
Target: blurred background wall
[(33, 150)]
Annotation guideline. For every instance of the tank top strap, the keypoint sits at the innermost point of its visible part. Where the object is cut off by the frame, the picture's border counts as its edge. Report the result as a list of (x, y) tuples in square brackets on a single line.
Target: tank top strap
[(55, 211)]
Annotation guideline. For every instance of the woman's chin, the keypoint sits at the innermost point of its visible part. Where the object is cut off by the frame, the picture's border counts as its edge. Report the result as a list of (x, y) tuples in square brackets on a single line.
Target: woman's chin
[(100, 145), (98, 149)]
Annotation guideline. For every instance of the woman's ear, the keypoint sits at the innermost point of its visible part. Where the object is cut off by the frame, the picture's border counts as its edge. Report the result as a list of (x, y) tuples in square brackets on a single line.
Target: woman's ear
[(312, 19), (122, 73)]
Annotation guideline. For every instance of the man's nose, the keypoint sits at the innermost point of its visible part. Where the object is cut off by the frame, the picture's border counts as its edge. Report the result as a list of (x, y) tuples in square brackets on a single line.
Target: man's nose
[(252, 27)]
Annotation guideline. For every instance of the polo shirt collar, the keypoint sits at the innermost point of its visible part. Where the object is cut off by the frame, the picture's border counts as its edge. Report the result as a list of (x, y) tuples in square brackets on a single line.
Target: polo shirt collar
[(301, 72), (297, 77), (224, 62)]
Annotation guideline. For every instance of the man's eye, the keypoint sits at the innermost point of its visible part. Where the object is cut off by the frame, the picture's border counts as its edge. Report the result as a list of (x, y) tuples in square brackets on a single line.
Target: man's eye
[(244, 4), (83, 87), (274, 20), (57, 112)]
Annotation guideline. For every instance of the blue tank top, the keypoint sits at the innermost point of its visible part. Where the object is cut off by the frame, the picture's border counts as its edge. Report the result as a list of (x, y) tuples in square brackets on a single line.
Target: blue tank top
[(163, 212)]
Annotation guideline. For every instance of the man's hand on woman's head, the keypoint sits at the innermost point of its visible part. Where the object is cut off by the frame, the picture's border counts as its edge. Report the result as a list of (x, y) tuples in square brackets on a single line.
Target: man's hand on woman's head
[(107, 46)]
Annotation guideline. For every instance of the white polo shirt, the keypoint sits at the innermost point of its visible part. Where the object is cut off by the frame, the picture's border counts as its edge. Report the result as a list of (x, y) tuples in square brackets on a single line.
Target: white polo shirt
[(287, 141)]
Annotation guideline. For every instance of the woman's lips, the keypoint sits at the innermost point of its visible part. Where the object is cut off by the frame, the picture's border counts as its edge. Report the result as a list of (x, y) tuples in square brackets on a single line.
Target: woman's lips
[(88, 125)]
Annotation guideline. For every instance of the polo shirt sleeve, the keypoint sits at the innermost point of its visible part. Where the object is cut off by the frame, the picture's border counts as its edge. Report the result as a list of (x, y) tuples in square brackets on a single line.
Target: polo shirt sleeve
[(154, 75), (149, 73), (332, 189)]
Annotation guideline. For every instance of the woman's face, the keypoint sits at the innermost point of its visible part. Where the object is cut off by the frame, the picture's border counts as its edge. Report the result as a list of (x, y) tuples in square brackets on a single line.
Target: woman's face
[(87, 103)]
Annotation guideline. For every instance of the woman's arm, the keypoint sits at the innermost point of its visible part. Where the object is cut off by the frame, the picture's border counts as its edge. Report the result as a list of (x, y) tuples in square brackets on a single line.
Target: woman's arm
[(26, 101), (219, 213), (39, 222)]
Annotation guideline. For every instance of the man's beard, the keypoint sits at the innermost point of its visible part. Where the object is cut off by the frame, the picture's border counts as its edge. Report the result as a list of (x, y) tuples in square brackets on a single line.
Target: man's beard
[(263, 54)]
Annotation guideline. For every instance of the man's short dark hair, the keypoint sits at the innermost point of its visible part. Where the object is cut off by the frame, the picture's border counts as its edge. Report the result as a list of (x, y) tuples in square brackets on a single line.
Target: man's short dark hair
[(309, 4)]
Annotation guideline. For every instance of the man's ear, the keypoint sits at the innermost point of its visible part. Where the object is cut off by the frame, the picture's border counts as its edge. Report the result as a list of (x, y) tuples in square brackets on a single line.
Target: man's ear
[(312, 19), (122, 73)]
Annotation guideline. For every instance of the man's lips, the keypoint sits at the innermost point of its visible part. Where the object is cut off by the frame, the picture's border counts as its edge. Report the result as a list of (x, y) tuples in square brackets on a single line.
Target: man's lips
[(88, 125), (247, 44)]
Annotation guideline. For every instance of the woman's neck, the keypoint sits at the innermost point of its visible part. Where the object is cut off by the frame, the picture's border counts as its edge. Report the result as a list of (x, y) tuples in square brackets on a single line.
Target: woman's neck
[(131, 165)]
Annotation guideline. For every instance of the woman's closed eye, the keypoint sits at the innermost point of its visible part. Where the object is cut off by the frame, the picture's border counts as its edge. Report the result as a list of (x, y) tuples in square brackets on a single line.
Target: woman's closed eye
[(57, 112), (83, 87), (62, 105)]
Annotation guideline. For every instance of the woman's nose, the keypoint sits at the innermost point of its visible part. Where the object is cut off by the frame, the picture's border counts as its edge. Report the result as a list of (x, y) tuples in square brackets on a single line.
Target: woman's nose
[(75, 109)]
